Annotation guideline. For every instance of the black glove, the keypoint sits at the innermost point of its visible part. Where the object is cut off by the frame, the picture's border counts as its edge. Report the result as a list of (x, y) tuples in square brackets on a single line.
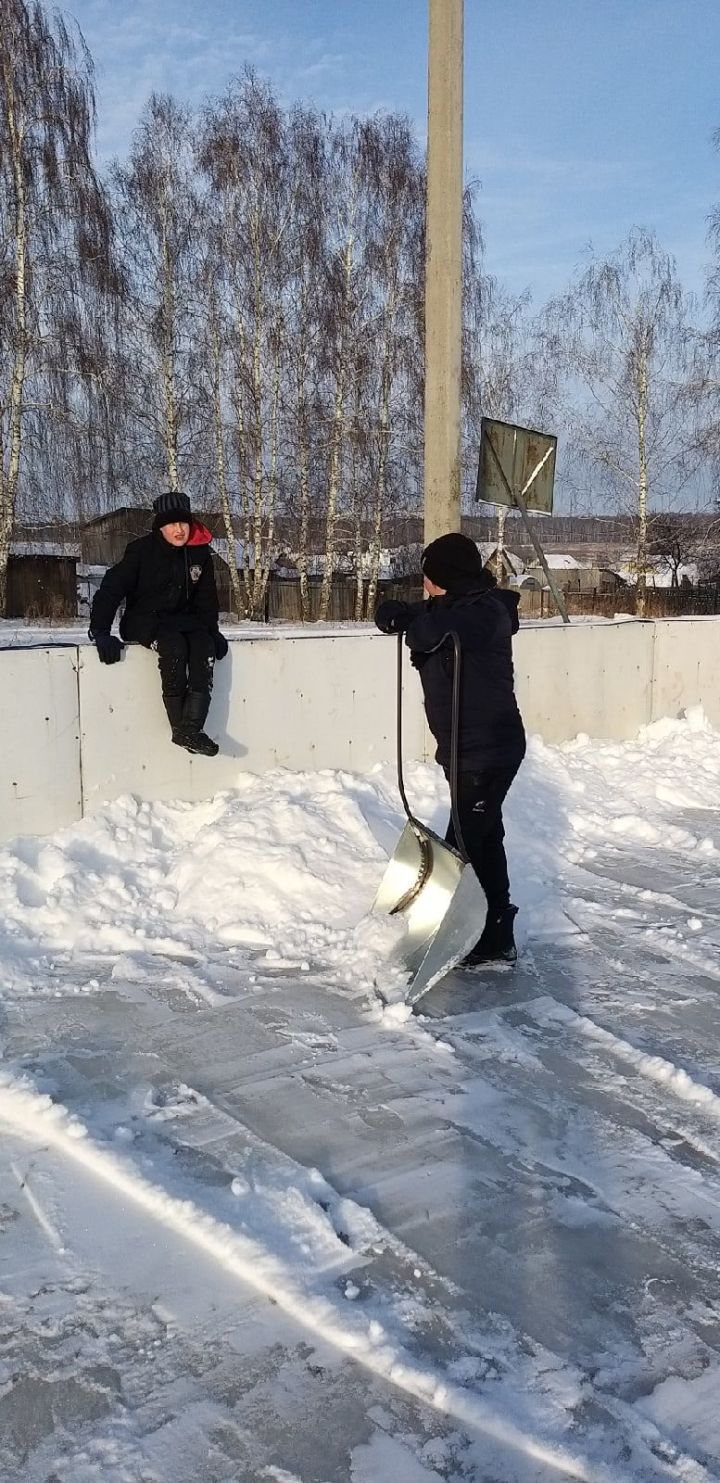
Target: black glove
[(393, 616), (108, 646), (221, 644)]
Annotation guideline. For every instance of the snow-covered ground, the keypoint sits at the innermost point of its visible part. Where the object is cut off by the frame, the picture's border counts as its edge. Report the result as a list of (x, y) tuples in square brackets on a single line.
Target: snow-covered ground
[(254, 1226)]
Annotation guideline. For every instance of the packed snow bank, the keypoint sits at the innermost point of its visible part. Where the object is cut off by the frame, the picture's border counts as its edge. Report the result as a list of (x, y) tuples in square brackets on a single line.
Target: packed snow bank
[(631, 788), (285, 866)]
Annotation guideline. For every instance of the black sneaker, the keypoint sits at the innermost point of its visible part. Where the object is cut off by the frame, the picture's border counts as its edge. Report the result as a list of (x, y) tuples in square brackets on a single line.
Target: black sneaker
[(497, 943), (195, 741)]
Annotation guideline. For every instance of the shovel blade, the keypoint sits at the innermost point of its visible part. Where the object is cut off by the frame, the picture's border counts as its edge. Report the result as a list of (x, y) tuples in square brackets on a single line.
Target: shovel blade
[(458, 931), (442, 921)]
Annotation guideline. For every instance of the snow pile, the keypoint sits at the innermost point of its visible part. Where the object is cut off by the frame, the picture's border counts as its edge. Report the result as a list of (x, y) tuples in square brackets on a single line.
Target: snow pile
[(573, 802), (286, 865)]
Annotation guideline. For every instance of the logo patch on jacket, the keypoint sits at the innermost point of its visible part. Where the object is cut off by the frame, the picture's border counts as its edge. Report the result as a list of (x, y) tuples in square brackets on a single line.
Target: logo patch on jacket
[(195, 573)]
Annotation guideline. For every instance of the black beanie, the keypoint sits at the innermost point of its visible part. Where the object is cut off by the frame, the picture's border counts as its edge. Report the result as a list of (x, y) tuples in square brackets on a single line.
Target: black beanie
[(171, 508), (454, 563)]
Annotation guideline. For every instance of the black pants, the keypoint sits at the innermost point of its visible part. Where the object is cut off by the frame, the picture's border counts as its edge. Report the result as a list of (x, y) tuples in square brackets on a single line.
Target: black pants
[(186, 659), (480, 799)]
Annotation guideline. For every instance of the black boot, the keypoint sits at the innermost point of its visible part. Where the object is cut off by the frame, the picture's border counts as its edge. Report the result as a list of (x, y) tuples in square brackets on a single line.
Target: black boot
[(195, 709), (190, 734), (497, 943), (174, 706)]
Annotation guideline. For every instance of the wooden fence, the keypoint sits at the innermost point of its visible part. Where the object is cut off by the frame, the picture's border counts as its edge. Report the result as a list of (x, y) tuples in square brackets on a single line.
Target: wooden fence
[(283, 600), (283, 603), (661, 602), (45, 589)]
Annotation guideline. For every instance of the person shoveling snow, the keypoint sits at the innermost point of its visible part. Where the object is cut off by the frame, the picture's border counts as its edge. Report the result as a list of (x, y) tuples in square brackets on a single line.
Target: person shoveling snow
[(464, 600)]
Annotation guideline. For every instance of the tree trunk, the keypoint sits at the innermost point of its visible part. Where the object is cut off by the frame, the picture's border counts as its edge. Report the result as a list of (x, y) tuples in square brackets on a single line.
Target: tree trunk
[(383, 451), (168, 365), (359, 574), (304, 465), (337, 433), (239, 598), (333, 491), (265, 566), (237, 402), (641, 558), (258, 476), (303, 456), (357, 505), (6, 526), (499, 555), (9, 479)]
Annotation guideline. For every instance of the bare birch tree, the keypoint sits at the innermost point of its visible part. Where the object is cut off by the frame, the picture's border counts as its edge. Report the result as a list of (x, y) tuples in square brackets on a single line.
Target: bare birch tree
[(501, 372), (343, 292), (308, 161), (395, 185), (158, 213), (214, 367), (623, 334), (55, 239), (244, 155), (677, 540), (707, 350)]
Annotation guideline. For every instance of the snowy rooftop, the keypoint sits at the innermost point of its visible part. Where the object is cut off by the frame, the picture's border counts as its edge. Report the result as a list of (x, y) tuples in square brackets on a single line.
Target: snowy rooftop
[(255, 1226), (46, 548), (661, 573), (488, 549), (558, 561)]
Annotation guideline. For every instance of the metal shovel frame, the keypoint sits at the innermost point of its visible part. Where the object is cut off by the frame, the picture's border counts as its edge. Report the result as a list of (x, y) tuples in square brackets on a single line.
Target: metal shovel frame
[(427, 881)]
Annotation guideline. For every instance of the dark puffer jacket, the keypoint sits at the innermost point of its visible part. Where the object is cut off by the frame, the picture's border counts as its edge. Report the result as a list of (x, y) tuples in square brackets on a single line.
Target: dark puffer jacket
[(159, 583), (491, 732)]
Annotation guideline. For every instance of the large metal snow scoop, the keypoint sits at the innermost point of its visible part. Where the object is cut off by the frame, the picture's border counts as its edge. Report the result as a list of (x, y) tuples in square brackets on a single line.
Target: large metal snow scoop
[(428, 882)]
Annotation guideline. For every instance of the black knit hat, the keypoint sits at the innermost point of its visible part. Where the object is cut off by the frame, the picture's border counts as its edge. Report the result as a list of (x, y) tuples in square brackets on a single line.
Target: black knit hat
[(171, 508), (454, 563)]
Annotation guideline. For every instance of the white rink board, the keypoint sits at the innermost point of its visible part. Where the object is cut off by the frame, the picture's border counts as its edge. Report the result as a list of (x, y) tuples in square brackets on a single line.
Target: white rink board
[(594, 678), (39, 741), (687, 667), (311, 700), (303, 703)]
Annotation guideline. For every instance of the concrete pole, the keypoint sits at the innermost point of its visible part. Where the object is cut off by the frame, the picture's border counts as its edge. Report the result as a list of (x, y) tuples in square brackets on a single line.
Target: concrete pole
[(443, 268)]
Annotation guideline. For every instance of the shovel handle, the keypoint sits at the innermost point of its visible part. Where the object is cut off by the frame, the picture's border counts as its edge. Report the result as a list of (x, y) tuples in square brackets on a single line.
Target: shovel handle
[(454, 738), (455, 730), (399, 734)]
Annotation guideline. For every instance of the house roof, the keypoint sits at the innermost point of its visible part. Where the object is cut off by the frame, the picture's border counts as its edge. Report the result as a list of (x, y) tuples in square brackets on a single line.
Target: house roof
[(69, 549), (659, 573), (123, 511), (560, 562), (488, 549)]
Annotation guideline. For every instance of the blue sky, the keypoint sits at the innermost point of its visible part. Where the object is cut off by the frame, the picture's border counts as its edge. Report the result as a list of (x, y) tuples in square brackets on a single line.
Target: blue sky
[(582, 119)]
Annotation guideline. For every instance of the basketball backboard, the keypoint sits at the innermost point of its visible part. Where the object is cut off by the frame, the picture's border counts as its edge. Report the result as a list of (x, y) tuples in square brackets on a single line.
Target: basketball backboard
[(516, 461)]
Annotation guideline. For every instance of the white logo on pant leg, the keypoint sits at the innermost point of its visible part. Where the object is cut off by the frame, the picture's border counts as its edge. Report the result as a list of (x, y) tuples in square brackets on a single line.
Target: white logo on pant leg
[(195, 573)]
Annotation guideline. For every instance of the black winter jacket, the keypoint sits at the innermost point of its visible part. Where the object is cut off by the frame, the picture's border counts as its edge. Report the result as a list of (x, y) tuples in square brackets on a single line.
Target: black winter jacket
[(159, 583), (491, 732)]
